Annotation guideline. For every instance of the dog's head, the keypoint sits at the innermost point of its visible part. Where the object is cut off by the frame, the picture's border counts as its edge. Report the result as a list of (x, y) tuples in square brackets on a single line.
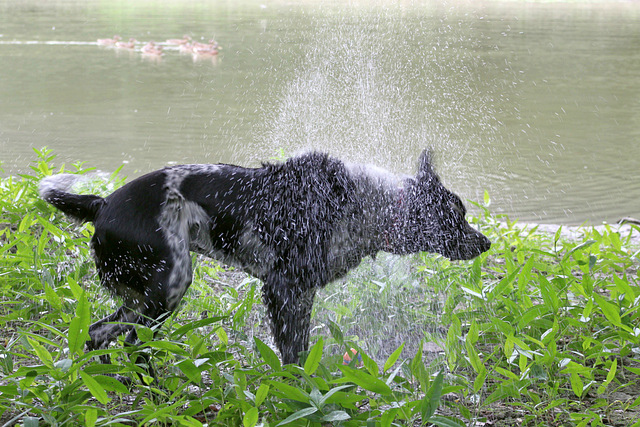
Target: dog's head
[(433, 218)]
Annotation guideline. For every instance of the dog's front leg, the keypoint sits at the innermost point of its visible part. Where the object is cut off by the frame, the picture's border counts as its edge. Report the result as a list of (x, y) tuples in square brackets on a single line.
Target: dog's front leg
[(105, 330), (289, 309)]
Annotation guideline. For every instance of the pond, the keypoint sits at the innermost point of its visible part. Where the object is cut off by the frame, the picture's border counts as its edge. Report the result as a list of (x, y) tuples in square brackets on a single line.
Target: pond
[(537, 103)]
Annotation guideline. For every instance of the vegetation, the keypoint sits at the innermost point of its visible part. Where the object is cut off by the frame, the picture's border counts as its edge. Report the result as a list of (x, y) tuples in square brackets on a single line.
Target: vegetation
[(539, 331)]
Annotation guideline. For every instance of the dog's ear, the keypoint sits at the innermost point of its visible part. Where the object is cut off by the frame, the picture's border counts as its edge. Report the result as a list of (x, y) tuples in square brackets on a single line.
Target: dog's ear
[(426, 172)]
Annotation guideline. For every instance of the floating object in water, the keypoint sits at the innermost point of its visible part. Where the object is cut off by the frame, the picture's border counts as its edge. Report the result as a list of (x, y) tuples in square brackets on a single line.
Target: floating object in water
[(184, 40), (201, 51), (131, 44), (109, 42), (205, 49), (207, 46), (346, 359), (186, 48), (150, 49)]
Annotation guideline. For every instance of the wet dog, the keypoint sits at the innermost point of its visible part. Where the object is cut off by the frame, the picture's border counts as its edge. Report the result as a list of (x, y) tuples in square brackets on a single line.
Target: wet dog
[(296, 226)]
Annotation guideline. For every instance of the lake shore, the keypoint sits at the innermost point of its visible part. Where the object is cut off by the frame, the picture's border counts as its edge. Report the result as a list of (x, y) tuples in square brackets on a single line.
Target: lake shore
[(571, 232)]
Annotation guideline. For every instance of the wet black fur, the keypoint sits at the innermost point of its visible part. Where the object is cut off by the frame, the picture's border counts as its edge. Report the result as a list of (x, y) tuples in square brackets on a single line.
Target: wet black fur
[(296, 225)]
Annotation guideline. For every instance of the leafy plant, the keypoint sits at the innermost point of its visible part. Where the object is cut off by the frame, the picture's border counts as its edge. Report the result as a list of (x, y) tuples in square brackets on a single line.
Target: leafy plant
[(541, 328)]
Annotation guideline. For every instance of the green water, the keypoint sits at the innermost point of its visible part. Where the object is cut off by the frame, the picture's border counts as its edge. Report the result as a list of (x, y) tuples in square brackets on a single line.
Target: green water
[(539, 103)]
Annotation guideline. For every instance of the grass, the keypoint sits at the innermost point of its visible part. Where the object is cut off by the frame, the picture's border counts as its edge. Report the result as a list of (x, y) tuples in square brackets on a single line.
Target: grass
[(539, 331)]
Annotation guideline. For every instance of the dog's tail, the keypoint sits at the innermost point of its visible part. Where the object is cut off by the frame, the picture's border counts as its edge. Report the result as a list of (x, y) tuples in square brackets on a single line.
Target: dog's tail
[(55, 190)]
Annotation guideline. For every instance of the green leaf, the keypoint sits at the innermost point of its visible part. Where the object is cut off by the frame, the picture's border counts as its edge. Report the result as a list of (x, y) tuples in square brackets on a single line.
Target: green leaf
[(586, 311), (222, 335), (327, 396), (26, 223), (302, 413), (550, 334), (472, 335), (262, 393), (369, 364), (364, 380), (178, 333), (570, 367), (580, 247), (417, 365), (314, 357), (577, 384), (445, 422), (610, 311), (167, 346), (111, 384), (506, 373), (501, 393), (30, 422), (531, 314), (635, 371), (549, 295), (47, 225), (622, 284), (190, 370), (478, 383), (268, 355), (78, 333), (391, 360), (90, 417), (504, 283), (42, 353), (431, 399), (145, 334), (557, 235), (95, 388), (160, 412), (336, 333), (610, 376), (52, 298), (388, 416), (76, 289), (474, 358), (250, 418), (291, 392), (336, 416)]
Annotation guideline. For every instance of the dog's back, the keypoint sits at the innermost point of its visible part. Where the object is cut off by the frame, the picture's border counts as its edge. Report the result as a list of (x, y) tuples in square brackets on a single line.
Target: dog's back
[(281, 217)]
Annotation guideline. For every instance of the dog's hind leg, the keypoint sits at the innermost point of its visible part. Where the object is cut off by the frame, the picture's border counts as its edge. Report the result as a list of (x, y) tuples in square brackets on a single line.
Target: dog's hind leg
[(163, 290), (162, 298), (289, 309)]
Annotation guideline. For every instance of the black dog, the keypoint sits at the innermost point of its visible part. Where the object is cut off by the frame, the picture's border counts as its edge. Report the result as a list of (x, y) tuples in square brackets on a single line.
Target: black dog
[(296, 225)]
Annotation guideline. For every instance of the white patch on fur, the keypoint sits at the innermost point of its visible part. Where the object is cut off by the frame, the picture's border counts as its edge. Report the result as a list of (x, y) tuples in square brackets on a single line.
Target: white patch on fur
[(72, 183), (61, 182), (380, 192), (376, 176)]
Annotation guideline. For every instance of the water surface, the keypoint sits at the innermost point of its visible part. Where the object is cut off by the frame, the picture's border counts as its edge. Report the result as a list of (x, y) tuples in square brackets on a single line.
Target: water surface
[(538, 103)]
